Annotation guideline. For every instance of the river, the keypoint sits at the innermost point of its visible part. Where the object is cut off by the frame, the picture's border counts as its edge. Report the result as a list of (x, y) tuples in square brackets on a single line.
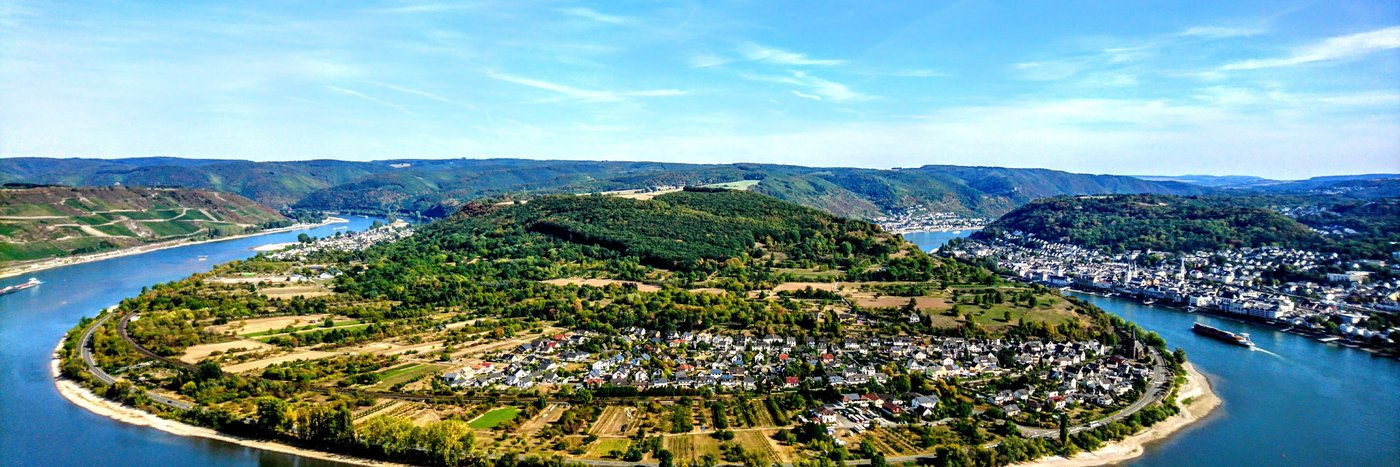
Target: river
[(1293, 401), (39, 427), (1290, 401)]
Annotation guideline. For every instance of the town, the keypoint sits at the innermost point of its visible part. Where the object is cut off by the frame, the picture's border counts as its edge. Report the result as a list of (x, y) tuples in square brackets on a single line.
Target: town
[(1072, 374), (343, 241), (922, 218), (1271, 285)]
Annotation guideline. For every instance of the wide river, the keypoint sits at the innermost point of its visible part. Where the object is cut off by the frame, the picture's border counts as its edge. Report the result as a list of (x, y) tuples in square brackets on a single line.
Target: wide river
[(1293, 401)]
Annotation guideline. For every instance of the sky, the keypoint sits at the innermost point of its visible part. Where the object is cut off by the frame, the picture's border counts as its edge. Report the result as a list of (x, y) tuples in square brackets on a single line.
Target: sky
[(1277, 88)]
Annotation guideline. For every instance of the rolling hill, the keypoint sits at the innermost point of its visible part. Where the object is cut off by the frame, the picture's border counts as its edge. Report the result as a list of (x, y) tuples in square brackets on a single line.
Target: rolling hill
[(1155, 222), (434, 188), (38, 223)]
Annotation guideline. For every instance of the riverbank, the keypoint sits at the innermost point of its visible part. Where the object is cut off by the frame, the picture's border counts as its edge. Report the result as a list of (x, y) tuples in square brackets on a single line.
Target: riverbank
[(82, 397), (1196, 400), (40, 265), (934, 230)]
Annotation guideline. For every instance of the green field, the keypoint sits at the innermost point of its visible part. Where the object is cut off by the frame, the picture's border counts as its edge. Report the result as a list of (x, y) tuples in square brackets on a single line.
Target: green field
[(405, 373), (739, 185), (495, 417)]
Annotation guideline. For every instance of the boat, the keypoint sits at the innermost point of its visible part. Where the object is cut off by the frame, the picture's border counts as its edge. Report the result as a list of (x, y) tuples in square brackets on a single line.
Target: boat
[(1149, 302), (18, 287), (1240, 339)]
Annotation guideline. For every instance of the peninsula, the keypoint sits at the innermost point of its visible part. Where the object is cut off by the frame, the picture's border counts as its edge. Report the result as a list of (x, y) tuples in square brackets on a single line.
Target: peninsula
[(697, 327)]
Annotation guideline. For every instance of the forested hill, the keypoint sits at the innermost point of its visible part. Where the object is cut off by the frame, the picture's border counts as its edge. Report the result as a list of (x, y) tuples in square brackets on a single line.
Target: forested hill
[(37, 223), (1162, 223), (434, 188)]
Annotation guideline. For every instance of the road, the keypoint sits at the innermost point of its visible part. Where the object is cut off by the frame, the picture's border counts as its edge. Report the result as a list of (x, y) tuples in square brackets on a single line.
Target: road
[(85, 344), (1151, 393)]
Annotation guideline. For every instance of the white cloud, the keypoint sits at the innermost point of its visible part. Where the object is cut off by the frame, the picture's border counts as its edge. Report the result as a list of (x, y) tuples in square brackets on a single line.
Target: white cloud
[(423, 94), (707, 61), (585, 94), (1081, 135), (360, 95), (760, 53), (427, 8), (814, 86), (1330, 49), (594, 15), (1221, 32), (806, 96)]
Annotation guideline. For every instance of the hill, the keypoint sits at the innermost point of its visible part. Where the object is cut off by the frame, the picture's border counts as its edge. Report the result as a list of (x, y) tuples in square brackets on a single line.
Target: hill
[(435, 188), (1163, 223), (37, 223), (518, 328)]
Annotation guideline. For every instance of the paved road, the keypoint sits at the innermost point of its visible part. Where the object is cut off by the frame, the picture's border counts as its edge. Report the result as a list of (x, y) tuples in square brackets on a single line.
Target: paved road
[(85, 343), (1151, 393)]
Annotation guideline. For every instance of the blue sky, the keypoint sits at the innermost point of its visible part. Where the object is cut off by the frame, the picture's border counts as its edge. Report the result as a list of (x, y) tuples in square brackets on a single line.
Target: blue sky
[(1274, 88)]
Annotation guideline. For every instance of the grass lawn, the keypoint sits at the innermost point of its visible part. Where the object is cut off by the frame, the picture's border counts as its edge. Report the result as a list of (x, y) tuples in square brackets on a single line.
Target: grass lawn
[(495, 417), (739, 185), (600, 448), (403, 373)]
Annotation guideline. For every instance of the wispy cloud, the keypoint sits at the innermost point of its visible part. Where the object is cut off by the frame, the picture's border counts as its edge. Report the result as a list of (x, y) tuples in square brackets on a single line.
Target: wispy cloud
[(707, 61), (363, 96), (581, 94), (426, 8), (1330, 49), (1221, 32), (920, 74), (587, 13), (813, 86), (760, 53)]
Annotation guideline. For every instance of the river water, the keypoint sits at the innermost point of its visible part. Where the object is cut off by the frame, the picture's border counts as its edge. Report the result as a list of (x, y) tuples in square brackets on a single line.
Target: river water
[(1293, 401), (39, 427)]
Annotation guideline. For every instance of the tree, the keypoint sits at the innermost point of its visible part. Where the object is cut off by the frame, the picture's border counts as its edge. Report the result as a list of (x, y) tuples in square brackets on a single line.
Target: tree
[(272, 414), (208, 370), (664, 458), (1064, 429)]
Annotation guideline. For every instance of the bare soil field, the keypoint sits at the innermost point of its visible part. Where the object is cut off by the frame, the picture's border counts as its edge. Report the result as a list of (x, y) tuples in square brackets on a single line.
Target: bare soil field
[(247, 280), (250, 326), (550, 414), (194, 354), (601, 283), (614, 421), (794, 286), (303, 291), (868, 300), (266, 362)]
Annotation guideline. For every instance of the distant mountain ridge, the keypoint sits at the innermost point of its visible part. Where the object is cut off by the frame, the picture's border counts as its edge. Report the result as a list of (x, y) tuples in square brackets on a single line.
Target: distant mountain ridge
[(435, 187)]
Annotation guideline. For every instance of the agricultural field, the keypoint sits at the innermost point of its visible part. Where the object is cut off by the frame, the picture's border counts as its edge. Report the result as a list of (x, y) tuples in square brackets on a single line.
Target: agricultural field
[(494, 417), (39, 223)]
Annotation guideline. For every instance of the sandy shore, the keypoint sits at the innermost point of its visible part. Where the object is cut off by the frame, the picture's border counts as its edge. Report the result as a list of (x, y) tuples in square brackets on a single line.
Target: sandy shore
[(274, 246), (84, 398), (51, 263), (1197, 389)]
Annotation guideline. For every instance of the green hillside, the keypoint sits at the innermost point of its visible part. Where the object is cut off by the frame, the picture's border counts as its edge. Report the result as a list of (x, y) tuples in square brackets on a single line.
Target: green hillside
[(37, 223), (435, 188), (1163, 223)]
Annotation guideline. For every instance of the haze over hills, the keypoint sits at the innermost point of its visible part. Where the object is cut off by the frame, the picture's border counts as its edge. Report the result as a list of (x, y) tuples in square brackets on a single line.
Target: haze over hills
[(44, 222), (435, 187)]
